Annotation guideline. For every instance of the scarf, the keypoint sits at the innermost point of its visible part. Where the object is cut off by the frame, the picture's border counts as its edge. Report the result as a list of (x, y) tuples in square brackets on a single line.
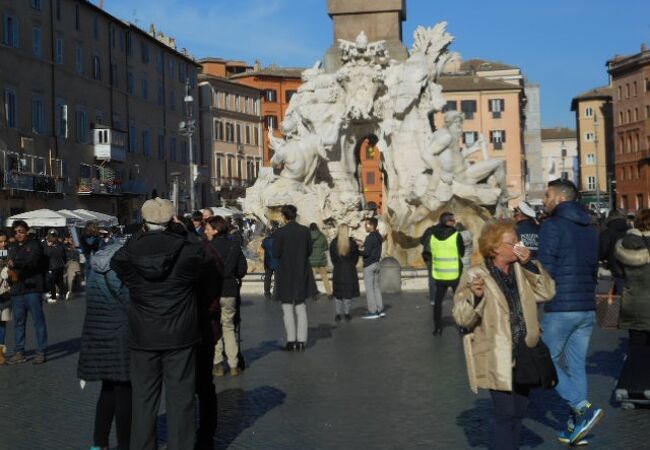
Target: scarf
[(508, 285)]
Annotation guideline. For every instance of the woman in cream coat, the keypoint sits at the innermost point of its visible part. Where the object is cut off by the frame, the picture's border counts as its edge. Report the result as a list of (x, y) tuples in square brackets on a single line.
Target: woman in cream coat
[(496, 303)]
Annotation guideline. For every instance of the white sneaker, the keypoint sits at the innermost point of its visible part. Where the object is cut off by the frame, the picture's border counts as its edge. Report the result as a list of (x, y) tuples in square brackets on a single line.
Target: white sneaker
[(68, 295)]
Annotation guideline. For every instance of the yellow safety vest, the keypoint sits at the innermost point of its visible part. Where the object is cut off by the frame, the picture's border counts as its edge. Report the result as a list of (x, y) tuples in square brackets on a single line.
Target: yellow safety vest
[(445, 261)]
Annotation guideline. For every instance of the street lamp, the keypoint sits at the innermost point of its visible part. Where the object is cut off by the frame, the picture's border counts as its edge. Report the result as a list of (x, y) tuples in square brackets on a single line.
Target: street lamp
[(186, 128)]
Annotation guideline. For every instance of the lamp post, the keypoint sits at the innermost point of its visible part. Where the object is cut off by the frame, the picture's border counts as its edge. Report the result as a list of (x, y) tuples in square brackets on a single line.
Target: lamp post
[(186, 128)]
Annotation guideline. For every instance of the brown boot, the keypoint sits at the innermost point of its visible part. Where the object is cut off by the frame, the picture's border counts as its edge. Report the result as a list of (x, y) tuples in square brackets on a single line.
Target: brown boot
[(3, 359)]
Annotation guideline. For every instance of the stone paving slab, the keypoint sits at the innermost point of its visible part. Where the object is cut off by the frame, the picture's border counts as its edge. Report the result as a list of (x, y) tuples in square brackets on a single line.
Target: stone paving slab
[(378, 384)]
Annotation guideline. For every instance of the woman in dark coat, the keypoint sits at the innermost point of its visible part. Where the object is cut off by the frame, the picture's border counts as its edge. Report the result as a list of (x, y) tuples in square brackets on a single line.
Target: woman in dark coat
[(344, 254), (104, 348)]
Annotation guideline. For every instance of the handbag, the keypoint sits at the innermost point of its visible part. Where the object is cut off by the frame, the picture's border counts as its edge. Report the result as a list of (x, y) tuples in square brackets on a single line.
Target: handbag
[(534, 366), (608, 308)]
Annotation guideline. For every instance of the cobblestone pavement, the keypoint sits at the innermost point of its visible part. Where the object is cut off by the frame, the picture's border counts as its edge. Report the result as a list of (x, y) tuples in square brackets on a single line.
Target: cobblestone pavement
[(378, 384)]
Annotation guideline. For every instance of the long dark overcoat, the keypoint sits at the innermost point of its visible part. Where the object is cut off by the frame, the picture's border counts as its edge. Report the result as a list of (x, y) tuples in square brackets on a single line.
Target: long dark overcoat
[(344, 276), (294, 277)]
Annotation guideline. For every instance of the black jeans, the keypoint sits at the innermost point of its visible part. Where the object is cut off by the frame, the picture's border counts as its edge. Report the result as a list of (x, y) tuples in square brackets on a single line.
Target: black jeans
[(54, 281), (114, 401), (509, 411), (441, 287), (639, 338), (177, 368), (207, 395), (268, 274)]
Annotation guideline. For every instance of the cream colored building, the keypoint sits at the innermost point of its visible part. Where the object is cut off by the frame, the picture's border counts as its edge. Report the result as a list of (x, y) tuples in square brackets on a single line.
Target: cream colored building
[(595, 145), (90, 110), (559, 155), (231, 120)]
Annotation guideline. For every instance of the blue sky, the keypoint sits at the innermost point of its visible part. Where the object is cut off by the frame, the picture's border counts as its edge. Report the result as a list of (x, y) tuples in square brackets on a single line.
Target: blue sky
[(561, 44)]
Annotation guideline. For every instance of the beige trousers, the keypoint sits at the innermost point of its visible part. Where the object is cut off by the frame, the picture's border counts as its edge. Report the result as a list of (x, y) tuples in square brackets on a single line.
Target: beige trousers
[(322, 271), (228, 338)]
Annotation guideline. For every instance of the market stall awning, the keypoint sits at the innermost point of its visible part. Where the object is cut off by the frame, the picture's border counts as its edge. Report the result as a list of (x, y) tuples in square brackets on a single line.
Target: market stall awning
[(41, 218)]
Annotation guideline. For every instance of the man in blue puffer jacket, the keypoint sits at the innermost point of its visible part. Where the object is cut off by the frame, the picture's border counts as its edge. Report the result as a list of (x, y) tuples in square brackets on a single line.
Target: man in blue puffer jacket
[(568, 249)]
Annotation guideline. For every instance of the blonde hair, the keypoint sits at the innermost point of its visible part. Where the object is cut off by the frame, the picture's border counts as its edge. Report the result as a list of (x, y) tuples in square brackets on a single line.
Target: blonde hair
[(343, 244), (492, 233)]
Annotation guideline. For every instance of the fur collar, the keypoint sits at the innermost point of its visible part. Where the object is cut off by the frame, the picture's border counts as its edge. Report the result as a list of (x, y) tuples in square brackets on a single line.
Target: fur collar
[(636, 232), (632, 257)]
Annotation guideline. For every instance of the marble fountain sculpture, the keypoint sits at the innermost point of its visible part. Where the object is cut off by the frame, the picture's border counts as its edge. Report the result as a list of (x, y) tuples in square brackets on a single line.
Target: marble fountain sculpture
[(316, 163)]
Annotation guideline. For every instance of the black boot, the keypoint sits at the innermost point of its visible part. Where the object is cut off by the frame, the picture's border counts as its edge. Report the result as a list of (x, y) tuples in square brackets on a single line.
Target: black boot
[(300, 346), (290, 347)]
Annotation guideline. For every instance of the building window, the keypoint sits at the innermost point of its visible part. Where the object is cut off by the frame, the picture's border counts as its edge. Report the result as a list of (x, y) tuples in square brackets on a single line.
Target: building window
[(58, 9), (497, 106), (97, 67), (38, 116), (81, 126), (130, 83), (99, 116), (36, 4), (589, 136), (114, 73), (60, 49), (256, 136), (37, 47), (238, 103), (161, 95), (469, 137), (620, 92), (271, 95), (11, 31), (218, 130), (172, 100), (620, 118), (145, 89), (79, 59), (451, 105), (498, 138), (61, 119), (146, 142), (591, 183), (271, 122), (238, 133), (248, 134), (634, 89), (629, 116), (129, 43), (161, 144), (591, 159), (636, 114), (160, 61), (468, 107), (77, 18), (230, 132), (11, 104), (144, 52), (639, 201), (133, 137), (288, 95), (589, 111), (172, 148), (96, 28)]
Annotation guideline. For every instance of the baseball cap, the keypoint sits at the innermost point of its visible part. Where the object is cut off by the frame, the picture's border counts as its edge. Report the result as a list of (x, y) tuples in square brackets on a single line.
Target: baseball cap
[(527, 210)]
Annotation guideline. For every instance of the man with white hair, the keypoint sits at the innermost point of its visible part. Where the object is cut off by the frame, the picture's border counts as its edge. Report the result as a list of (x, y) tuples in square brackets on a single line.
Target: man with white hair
[(160, 269)]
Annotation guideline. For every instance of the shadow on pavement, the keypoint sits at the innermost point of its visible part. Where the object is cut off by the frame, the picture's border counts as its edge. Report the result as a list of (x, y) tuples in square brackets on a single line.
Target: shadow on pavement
[(477, 426), (239, 410), (608, 364), (251, 355), (322, 331), (63, 349)]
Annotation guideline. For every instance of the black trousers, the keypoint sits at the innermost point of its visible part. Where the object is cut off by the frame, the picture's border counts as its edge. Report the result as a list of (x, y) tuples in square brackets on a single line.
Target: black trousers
[(509, 411), (268, 274), (207, 394), (114, 401), (441, 287), (55, 280), (177, 368), (639, 338)]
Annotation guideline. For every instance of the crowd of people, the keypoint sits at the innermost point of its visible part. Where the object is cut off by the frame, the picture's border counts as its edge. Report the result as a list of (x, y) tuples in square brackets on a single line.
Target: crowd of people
[(163, 306)]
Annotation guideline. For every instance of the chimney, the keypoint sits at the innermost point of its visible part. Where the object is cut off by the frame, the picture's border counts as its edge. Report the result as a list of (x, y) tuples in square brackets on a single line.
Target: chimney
[(101, 4), (644, 47)]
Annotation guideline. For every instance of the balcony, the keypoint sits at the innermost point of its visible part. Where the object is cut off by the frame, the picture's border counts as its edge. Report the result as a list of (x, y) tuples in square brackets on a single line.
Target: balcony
[(27, 172), (98, 186), (109, 144)]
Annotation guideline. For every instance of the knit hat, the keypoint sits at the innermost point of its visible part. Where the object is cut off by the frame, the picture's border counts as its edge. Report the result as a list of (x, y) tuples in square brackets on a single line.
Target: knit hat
[(158, 211)]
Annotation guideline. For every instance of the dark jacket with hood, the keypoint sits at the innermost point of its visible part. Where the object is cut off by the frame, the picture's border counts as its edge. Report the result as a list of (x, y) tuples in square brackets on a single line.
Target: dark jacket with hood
[(441, 232), (615, 231), (568, 249), (162, 269), (319, 247), (104, 340), (633, 253), (30, 264), (55, 255)]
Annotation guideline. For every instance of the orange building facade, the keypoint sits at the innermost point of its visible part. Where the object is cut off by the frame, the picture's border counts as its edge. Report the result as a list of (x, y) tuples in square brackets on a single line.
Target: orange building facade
[(278, 86)]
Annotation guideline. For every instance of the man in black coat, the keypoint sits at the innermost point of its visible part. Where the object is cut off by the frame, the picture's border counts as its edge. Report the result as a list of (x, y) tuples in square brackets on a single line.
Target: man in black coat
[(162, 269), (55, 253), (234, 269), (28, 265), (616, 230), (294, 277)]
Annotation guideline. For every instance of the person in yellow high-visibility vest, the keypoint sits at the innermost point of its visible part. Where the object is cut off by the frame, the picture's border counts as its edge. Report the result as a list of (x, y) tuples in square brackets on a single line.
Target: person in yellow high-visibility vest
[(442, 249)]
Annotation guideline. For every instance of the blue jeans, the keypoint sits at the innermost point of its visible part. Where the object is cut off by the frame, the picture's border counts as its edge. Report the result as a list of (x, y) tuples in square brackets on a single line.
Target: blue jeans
[(567, 336), (32, 303), (3, 332)]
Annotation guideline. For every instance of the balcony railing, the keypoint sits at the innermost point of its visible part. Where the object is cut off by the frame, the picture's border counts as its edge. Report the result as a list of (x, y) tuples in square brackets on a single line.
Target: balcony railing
[(98, 186), (29, 182)]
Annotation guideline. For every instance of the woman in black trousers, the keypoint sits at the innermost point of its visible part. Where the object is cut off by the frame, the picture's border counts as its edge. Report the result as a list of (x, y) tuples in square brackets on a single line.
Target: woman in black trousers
[(104, 351)]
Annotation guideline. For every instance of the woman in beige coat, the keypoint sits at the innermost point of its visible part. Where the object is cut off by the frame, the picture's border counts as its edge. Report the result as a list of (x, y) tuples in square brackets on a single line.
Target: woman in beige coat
[(496, 303)]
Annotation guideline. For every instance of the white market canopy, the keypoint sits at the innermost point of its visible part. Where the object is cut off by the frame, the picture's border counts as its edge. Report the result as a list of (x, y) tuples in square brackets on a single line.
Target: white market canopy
[(41, 218), (83, 216), (225, 212)]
